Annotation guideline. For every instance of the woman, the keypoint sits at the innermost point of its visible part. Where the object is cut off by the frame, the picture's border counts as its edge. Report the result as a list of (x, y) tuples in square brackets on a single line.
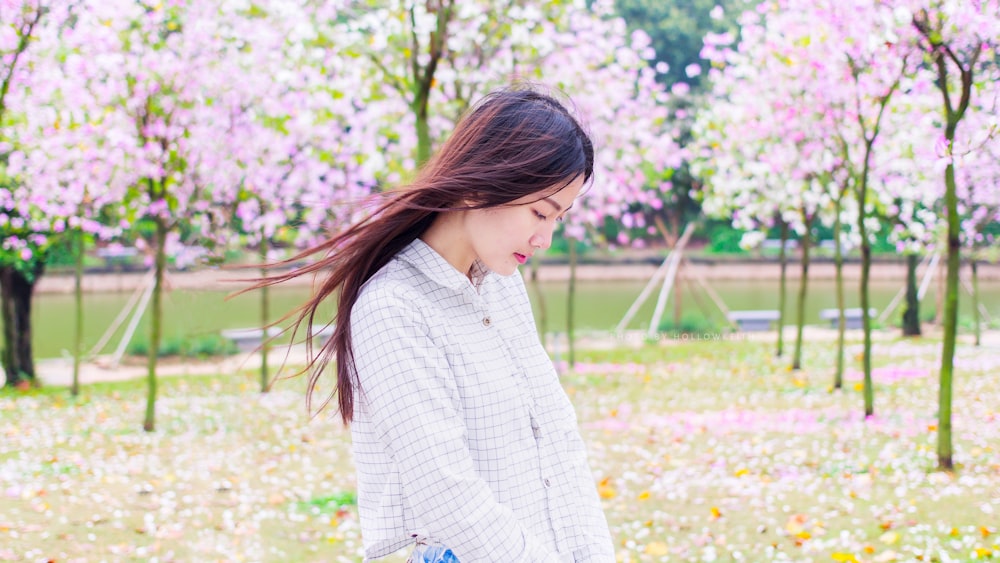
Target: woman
[(465, 443)]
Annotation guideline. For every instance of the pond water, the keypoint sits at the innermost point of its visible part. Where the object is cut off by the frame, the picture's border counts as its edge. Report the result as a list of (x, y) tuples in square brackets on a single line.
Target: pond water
[(599, 306)]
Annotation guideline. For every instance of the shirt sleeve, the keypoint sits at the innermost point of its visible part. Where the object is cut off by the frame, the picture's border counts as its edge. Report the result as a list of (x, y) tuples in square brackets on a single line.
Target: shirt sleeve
[(408, 390)]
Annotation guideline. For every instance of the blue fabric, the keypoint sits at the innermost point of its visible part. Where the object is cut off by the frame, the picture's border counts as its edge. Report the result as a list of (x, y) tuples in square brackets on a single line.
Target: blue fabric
[(433, 554)]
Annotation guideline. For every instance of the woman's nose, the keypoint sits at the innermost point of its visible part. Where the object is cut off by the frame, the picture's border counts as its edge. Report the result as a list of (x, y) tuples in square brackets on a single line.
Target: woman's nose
[(542, 239)]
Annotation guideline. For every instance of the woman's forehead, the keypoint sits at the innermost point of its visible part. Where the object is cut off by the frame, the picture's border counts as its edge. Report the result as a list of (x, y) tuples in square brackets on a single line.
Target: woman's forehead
[(559, 196)]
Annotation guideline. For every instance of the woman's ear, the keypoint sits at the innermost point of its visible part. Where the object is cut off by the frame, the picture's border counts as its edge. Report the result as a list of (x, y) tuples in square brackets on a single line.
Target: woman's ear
[(465, 203)]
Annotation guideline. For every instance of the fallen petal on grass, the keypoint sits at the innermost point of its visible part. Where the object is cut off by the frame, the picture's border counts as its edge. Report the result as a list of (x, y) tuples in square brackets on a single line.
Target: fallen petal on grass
[(703, 451)]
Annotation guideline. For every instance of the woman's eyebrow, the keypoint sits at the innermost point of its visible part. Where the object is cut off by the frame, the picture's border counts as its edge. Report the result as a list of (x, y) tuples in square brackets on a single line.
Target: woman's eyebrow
[(553, 203)]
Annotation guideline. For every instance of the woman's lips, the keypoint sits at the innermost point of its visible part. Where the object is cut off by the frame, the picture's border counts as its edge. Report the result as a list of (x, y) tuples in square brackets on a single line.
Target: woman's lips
[(521, 258)]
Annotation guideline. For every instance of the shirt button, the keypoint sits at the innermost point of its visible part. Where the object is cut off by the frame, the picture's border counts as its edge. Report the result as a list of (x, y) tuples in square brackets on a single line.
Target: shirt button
[(547, 483), (486, 321)]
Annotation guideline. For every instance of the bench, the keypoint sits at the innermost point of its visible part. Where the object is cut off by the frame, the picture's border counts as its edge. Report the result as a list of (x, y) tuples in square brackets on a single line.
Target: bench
[(249, 339), (754, 321), (775, 244), (322, 333), (852, 317), (117, 257)]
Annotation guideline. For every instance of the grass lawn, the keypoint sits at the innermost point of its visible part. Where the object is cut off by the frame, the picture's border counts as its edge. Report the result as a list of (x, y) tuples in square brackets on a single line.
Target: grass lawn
[(703, 451)]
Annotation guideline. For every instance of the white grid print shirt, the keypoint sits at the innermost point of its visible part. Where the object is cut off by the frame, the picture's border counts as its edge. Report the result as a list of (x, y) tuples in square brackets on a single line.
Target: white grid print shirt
[(462, 433)]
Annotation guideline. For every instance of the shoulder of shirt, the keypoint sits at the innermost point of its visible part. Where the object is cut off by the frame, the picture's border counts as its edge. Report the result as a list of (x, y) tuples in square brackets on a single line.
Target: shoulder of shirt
[(391, 281), (392, 287), (514, 282)]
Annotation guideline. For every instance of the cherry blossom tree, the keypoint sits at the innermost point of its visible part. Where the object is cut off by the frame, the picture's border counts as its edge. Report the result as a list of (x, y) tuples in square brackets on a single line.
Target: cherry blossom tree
[(437, 56), (22, 223), (872, 64), (68, 165), (854, 64), (172, 72), (905, 191), (875, 97), (305, 151), (956, 38), (631, 124), (434, 58), (64, 160), (762, 148), (978, 190), (734, 180)]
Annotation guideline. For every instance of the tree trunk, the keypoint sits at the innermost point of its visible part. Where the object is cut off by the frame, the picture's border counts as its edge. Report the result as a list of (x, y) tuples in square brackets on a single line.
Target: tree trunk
[(570, 309), (155, 326), (939, 294), (424, 81), (675, 232), (781, 289), (11, 330), (543, 314), (678, 311), (866, 361), (975, 301), (265, 318), (423, 131), (16, 291), (911, 316), (866, 321), (78, 302), (838, 260), (800, 316), (950, 320)]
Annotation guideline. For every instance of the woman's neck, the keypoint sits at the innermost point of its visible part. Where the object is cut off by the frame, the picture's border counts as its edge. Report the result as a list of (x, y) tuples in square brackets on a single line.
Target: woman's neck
[(447, 237)]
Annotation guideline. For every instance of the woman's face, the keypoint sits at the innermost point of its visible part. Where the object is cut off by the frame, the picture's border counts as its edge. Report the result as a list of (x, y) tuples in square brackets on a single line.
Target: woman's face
[(507, 236)]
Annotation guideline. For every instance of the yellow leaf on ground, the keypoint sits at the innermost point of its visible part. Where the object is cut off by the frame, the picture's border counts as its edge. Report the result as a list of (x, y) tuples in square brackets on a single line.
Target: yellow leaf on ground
[(796, 523), (889, 538), (656, 548)]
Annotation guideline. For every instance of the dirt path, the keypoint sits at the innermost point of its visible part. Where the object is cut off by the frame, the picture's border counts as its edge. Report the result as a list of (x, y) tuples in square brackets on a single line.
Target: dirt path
[(59, 372), (229, 280)]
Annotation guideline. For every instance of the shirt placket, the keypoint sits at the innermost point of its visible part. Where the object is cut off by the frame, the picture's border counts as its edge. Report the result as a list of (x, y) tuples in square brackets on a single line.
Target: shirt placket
[(545, 461)]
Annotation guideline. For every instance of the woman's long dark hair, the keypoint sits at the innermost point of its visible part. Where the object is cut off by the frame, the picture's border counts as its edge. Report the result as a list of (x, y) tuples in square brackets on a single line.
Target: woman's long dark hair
[(513, 143)]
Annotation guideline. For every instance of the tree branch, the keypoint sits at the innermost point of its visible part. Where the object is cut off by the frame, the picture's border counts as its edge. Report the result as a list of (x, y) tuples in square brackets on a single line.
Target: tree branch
[(24, 35), (392, 78), (415, 47)]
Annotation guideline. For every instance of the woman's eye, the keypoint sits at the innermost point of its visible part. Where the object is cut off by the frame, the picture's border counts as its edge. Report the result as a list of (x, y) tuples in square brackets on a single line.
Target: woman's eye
[(540, 216)]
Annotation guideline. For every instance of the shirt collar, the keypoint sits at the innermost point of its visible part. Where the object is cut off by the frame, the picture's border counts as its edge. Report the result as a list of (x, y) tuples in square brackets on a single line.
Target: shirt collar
[(425, 259)]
